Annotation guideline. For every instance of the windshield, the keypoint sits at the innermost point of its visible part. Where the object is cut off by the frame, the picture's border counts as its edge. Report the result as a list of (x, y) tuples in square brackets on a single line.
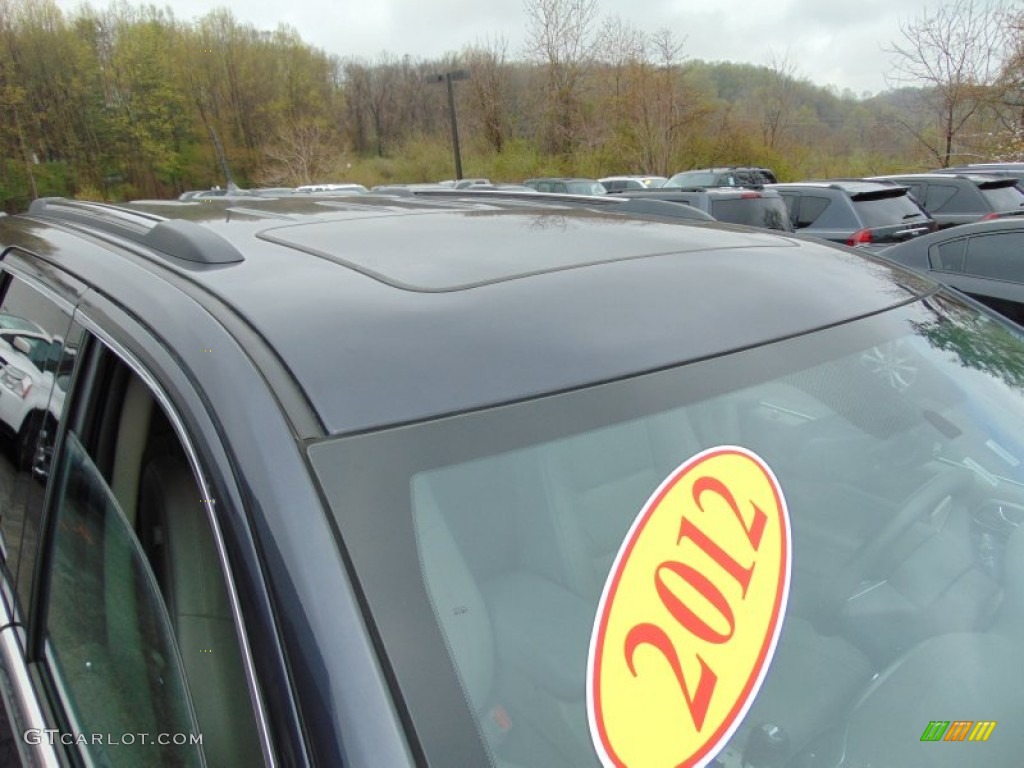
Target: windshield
[(693, 179), (585, 188), (494, 548)]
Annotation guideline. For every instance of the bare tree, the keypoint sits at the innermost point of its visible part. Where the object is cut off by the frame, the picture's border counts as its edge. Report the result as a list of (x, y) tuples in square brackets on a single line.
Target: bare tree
[(664, 108), (301, 153), (648, 104), (1010, 110), (620, 45), (956, 54), (374, 103), (778, 98), (560, 36), (489, 88)]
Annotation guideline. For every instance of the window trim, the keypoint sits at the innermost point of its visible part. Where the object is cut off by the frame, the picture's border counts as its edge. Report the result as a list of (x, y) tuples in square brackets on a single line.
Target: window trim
[(12, 651), (934, 262), (95, 334), (23, 614), (14, 626)]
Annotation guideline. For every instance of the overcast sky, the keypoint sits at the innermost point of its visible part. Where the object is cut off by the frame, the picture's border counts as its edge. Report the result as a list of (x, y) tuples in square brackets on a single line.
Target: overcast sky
[(837, 42)]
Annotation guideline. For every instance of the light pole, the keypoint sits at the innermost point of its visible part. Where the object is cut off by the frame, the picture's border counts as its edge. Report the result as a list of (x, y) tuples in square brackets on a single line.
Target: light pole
[(447, 78)]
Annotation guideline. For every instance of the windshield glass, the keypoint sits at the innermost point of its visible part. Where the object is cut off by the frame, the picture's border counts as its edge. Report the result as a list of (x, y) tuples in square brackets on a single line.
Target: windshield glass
[(492, 547), (585, 188), (693, 179)]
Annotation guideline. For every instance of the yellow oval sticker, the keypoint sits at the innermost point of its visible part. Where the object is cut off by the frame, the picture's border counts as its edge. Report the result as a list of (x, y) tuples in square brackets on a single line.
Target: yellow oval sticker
[(690, 614)]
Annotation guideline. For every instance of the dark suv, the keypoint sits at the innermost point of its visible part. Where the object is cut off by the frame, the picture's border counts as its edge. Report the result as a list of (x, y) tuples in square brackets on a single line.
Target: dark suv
[(953, 199), (854, 212), (751, 207), (404, 482), (731, 176)]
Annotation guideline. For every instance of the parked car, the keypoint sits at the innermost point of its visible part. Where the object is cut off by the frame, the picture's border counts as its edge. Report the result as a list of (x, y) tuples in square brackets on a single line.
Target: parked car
[(475, 482), (13, 322), (29, 400), (733, 176), (506, 187), (465, 183), (194, 193), (567, 186), (855, 212), (627, 183), (750, 207), (984, 260), (346, 187), (391, 189), (619, 205), (962, 198), (274, 191)]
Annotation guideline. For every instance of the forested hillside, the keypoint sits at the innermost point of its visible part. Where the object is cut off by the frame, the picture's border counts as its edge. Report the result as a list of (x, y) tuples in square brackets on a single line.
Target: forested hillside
[(123, 103)]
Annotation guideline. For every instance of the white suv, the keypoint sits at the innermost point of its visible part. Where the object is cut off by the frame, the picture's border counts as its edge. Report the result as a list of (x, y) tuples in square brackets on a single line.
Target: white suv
[(28, 364)]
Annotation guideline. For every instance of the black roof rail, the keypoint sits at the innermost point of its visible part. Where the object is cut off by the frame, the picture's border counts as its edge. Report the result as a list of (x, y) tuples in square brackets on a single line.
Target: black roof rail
[(102, 216), (193, 242), (177, 238)]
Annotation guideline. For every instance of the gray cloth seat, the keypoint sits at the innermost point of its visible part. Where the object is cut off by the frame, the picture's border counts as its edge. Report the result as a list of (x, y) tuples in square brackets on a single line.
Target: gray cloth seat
[(461, 613), (200, 613), (597, 483)]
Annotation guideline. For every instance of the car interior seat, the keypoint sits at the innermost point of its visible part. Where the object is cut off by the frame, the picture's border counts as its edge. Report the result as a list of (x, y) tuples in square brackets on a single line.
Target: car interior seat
[(188, 570), (597, 484), (463, 618)]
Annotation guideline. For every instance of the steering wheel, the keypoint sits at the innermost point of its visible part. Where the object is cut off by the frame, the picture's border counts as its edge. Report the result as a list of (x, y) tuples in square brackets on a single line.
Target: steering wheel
[(921, 503)]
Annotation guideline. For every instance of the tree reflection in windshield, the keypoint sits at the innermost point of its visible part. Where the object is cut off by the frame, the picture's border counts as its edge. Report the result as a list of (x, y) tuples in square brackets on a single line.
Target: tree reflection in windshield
[(977, 340)]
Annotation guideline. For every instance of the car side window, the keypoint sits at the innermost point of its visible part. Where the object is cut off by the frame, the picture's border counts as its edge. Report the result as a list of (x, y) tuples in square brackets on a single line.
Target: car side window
[(110, 635), (792, 201), (544, 186), (38, 346), (994, 256), (938, 195), (811, 208), (948, 257), (139, 627), (915, 188)]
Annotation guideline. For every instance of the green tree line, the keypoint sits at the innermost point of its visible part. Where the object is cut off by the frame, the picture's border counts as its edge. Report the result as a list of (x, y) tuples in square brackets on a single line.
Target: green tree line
[(128, 102)]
